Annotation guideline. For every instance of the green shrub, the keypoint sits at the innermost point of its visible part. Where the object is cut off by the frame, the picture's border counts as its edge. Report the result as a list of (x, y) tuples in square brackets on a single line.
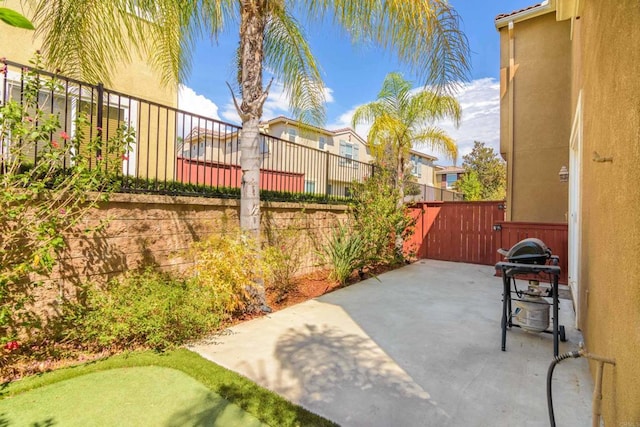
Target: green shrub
[(148, 309), (45, 180), (282, 262), (343, 252), (379, 218), (229, 266)]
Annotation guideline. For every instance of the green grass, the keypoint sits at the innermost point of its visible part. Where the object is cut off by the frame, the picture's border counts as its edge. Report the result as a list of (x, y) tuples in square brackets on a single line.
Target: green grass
[(57, 398)]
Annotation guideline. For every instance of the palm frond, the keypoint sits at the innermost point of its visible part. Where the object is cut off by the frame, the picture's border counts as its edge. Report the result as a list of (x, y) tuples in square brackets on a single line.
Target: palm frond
[(437, 140), (91, 39), (84, 38), (288, 55), (431, 107), (424, 34)]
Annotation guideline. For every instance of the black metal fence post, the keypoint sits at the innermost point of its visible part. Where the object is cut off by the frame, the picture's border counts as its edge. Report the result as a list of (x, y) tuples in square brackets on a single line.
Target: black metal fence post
[(326, 183), (100, 116)]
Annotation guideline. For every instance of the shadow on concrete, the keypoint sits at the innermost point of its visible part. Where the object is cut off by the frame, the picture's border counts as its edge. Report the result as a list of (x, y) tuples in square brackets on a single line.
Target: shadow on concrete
[(332, 367)]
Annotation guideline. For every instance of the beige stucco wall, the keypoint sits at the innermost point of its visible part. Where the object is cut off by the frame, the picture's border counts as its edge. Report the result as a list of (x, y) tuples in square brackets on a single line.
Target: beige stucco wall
[(610, 271), (541, 118), (155, 127), (135, 78), (309, 138)]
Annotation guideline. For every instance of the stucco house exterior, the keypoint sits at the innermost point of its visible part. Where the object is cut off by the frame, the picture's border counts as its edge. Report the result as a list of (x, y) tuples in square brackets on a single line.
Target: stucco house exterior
[(154, 125), (344, 142), (447, 176), (570, 96)]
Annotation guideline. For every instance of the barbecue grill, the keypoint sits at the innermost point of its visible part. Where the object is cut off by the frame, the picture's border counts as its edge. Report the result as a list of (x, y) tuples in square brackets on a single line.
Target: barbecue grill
[(527, 251), (529, 257)]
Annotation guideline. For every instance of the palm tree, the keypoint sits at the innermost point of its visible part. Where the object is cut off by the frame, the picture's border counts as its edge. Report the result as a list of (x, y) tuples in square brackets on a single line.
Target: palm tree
[(402, 119), (88, 38)]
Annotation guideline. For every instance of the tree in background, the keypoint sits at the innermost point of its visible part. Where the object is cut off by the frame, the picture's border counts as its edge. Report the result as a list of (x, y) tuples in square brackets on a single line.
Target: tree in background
[(491, 171), (469, 185), (402, 119)]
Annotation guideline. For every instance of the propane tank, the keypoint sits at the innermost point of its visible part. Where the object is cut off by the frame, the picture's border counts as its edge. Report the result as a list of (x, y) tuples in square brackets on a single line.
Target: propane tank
[(532, 311)]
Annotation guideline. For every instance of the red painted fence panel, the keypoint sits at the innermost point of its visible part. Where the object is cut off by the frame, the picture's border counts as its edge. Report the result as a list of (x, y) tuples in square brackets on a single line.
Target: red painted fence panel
[(457, 231), (554, 235), (224, 175), (473, 231)]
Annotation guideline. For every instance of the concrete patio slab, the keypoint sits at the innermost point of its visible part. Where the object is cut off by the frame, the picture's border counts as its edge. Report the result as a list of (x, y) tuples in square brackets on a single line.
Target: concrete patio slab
[(418, 347)]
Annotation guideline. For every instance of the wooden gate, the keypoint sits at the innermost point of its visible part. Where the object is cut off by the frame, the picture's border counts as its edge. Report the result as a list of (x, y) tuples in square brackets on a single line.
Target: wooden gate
[(473, 231), (458, 231)]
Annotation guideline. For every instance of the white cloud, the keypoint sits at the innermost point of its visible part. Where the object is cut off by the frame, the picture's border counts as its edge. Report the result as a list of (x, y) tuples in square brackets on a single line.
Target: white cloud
[(344, 121), (480, 104), (328, 95), (189, 100)]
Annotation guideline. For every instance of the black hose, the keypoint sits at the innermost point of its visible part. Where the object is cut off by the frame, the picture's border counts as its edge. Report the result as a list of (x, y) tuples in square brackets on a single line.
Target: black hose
[(552, 366)]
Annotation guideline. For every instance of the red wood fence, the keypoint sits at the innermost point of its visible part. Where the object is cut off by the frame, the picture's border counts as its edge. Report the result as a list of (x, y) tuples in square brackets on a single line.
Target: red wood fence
[(473, 231), (554, 235), (457, 231), (216, 174)]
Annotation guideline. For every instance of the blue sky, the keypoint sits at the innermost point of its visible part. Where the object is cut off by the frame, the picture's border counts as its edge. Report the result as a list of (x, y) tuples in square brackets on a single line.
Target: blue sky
[(353, 75)]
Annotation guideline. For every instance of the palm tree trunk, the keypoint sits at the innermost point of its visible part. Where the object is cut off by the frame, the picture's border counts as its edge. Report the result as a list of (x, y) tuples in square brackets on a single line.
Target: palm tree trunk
[(252, 25), (253, 19), (399, 242)]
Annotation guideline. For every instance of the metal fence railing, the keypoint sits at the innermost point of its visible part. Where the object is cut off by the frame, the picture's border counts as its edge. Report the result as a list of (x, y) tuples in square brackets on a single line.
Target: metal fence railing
[(430, 194), (175, 152)]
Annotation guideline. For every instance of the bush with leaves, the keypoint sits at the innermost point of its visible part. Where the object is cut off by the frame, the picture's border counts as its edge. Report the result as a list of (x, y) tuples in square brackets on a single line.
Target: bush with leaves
[(282, 257), (230, 266), (141, 309), (379, 219), (45, 185), (344, 252)]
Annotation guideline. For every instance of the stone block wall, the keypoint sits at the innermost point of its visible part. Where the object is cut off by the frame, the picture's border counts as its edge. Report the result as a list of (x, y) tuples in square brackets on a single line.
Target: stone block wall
[(135, 231)]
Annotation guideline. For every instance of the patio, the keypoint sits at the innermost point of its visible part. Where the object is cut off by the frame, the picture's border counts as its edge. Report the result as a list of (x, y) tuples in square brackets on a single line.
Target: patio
[(419, 347)]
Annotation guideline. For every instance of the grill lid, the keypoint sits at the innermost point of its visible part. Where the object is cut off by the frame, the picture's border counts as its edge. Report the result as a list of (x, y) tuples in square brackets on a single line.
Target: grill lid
[(527, 251)]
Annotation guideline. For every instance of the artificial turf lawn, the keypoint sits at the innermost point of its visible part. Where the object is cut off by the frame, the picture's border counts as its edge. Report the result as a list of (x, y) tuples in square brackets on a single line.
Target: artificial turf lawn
[(108, 391), (141, 396)]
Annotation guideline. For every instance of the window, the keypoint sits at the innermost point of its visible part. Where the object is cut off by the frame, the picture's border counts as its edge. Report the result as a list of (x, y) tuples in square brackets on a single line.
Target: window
[(348, 152), (329, 189), (416, 165), (451, 179), (309, 186), (292, 134), (321, 142)]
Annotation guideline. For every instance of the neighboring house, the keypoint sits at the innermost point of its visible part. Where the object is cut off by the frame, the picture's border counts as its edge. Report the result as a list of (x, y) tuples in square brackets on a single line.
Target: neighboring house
[(570, 97), (535, 112), (211, 156), (447, 176), (154, 126), (345, 143)]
